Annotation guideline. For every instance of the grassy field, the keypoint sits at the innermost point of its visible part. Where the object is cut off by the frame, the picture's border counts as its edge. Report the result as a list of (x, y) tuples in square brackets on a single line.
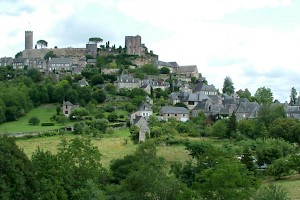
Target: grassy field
[(44, 113), (291, 183), (115, 146)]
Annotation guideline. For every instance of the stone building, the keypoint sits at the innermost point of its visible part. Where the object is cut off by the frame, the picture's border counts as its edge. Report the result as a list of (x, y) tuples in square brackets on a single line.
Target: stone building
[(28, 39), (134, 46)]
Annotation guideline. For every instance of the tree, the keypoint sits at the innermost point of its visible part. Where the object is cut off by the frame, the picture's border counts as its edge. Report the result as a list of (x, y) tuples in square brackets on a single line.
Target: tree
[(164, 70), (97, 79), (42, 43), (231, 125), (99, 95), (245, 94), (293, 96), (50, 54), (228, 86), (268, 113), (285, 128), (95, 40), (35, 75), (17, 179), (264, 95), (34, 121), (112, 117), (280, 167), (239, 184)]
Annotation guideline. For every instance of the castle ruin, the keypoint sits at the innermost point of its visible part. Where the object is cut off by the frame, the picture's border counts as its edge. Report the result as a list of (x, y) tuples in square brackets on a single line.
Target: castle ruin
[(134, 46), (28, 39)]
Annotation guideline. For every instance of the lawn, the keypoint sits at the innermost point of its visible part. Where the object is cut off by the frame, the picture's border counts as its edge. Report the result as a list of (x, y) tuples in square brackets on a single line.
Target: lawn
[(44, 113), (291, 183), (115, 146)]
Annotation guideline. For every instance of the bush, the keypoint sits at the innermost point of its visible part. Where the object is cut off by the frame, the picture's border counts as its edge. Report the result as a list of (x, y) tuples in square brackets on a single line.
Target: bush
[(47, 124), (34, 121), (112, 117)]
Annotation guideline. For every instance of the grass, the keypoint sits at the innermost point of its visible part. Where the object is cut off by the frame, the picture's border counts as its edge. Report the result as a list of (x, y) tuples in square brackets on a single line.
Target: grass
[(111, 147), (291, 183), (44, 113)]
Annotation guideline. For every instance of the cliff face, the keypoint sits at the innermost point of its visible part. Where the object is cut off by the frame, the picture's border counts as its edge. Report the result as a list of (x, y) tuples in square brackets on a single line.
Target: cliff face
[(142, 60)]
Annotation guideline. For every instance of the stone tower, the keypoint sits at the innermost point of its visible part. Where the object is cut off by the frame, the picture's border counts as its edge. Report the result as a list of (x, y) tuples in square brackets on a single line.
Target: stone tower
[(28, 39), (133, 45)]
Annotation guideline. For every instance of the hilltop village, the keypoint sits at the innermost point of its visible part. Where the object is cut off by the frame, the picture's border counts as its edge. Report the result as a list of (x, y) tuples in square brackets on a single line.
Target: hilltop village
[(163, 131), (181, 85)]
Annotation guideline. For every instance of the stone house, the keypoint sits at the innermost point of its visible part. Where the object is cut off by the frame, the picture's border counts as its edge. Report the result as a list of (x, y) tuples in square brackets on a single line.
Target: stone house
[(179, 113), (68, 107), (6, 61), (127, 81), (144, 110), (188, 71), (172, 66), (20, 63), (37, 63), (143, 127), (247, 109), (60, 64), (292, 111), (173, 98)]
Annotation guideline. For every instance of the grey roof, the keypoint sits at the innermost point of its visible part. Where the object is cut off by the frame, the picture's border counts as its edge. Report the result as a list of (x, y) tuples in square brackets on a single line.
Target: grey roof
[(198, 87), (174, 64), (173, 97), (248, 107), (83, 82), (60, 61), (210, 88), (144, 106), (292, 109), (67, 103), (187, 68), (128, 78), (197, 97), (173, 110)]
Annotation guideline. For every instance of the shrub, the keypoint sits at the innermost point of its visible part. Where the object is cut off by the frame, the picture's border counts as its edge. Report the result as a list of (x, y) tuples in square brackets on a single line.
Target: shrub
[(47, 124), (34, 121)]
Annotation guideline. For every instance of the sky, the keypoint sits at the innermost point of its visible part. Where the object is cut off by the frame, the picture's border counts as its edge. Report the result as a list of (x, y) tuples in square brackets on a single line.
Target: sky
[(254, 42)]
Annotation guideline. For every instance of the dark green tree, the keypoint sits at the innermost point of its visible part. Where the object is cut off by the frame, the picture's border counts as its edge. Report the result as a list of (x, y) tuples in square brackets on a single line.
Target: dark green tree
[(228, 87), (34, 121), (42, 43), (17, 179), (164, 70), (293, 96)]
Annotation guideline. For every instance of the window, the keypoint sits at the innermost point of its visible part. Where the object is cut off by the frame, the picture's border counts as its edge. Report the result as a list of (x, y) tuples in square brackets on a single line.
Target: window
[(66, 112), (175, 114), (183, 115)]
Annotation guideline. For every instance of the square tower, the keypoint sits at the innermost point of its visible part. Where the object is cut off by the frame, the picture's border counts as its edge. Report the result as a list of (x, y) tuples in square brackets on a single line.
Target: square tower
[(28, 39)]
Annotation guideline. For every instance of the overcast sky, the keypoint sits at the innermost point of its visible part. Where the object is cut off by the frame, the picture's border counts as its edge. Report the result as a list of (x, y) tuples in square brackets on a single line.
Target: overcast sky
[(255, 42)]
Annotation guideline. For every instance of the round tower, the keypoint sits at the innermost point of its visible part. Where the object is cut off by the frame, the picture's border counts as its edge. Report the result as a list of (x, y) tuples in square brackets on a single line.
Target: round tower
[(28, 39)]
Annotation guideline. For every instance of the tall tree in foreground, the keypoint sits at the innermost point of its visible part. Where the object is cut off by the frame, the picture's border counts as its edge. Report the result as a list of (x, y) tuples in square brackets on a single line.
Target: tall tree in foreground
[(17, 180), (228, 86), (264, 95), (293, 96)]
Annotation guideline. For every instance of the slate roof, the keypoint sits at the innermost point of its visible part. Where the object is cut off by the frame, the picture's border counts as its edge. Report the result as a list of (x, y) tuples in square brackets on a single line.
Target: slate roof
[(60, 61), (197, 96), (209, 88), (128, 78), (67, 103), (173, 96), (198, 87), (83, 82), (144, 106), (187, 68), (173, 110)]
